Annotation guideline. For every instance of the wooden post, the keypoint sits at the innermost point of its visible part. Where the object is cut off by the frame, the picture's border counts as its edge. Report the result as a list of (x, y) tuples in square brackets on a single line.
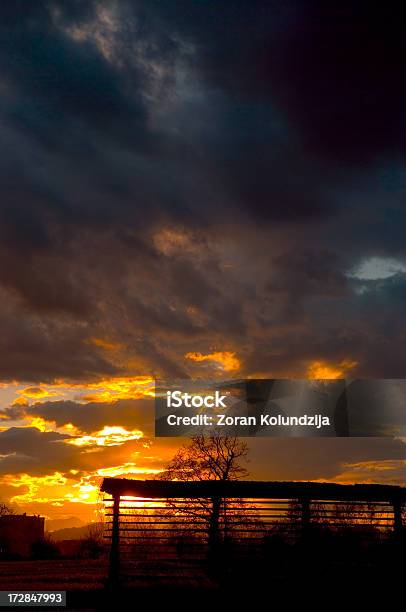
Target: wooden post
[(306, 516), (397, 518), (214, 537), (114, 562)]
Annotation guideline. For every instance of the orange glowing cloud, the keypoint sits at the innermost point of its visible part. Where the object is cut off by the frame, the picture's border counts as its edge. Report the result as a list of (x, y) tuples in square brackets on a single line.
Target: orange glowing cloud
[(103, 390), (127, 468), (36, 393), (36, 488), (322, 370), (41, 423), (55, 493), (226, 360), (55, 489), (170, 241), (20, 401), (109, 390), (388, 471), (108, 436), (86, 491), (107, 345)]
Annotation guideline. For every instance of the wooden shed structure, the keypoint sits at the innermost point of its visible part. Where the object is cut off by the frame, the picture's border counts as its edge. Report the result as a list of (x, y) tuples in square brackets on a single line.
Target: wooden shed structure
[(171, 529)]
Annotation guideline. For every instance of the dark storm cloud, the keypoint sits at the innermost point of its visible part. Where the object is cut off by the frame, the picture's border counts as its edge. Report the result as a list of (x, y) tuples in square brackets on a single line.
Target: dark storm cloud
[(269, 134), (91, 417), (90, 107), (37, 348), (302, 459), (360, 320), (299, 276), (26, 450), (333, 68)]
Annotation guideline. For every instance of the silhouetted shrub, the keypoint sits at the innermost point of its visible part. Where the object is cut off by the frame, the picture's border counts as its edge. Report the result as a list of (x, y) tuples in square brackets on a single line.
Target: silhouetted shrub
[(91, 548), (45, 548)]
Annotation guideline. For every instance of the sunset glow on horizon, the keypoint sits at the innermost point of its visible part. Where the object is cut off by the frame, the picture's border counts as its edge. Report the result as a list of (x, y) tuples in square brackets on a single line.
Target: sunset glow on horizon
[(83, 442)]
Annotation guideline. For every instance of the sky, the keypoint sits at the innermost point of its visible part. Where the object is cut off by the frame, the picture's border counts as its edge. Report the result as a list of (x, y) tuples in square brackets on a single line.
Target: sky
[(193, 188)]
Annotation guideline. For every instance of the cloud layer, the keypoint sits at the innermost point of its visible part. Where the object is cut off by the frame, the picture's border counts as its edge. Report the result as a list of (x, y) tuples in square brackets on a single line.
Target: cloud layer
[(193, 177)]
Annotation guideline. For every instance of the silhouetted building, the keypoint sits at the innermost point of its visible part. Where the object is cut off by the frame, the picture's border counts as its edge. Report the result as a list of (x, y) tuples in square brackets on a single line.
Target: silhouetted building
[(18, 532)]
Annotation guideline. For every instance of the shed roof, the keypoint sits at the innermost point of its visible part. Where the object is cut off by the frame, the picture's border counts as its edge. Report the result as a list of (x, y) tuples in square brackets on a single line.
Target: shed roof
[(252, 489)]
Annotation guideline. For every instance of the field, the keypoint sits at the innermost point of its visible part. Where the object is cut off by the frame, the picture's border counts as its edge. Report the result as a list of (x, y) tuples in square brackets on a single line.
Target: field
[(63, 575), (84, 581)]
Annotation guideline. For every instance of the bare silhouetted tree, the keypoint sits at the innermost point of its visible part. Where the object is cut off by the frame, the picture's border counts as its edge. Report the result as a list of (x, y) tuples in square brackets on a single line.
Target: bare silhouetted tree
[(220, 458), (208, 458)]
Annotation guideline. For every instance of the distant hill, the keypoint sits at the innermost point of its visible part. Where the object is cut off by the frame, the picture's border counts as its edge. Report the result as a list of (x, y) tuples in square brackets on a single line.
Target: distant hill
[(64, 523), (74, 533)]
